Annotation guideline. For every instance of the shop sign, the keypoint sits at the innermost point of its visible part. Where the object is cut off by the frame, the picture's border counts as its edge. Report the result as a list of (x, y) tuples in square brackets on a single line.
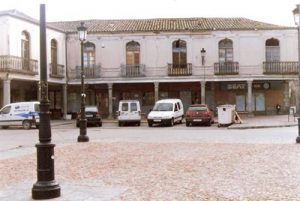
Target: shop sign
[(236, 86), (243, 86), (264, 85)]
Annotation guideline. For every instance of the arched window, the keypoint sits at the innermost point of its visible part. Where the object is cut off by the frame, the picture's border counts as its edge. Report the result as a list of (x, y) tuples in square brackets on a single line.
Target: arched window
[(89, 53), (272, 50), (225, 51), (53, 57), (132, 53), (179, 54), (25, 54)]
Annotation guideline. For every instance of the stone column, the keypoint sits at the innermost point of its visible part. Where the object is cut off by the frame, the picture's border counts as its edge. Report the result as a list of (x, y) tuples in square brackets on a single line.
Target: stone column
[(38, 91), (110, 100), (6, 91), (65, 100), (202, 92), (249, 97), (156, 90)]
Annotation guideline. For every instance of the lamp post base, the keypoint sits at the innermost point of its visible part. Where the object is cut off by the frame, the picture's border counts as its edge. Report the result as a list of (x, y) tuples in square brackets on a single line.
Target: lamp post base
[(298, 139), (45, 190), (82, 138)]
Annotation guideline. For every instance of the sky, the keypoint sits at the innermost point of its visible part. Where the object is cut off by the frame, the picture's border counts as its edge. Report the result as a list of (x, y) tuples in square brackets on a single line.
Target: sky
[(271, 11)]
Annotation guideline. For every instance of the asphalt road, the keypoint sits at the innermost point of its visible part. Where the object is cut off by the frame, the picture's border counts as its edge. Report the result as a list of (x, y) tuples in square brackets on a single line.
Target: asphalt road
[(16, 141)]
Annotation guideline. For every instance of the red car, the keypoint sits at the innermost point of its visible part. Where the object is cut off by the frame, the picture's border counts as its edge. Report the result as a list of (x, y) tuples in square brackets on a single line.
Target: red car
[(199, 114)]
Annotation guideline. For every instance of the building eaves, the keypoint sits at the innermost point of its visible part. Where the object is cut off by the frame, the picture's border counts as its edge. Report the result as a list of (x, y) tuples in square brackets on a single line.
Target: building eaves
[(17, 14), (166, 25)]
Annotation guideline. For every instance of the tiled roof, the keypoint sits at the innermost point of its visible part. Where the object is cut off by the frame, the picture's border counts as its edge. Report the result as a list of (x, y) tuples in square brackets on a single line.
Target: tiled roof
[(154, 25), (166, 25)]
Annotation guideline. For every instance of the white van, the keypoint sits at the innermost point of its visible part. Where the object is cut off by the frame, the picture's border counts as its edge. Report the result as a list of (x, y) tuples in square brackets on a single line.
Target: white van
[(23, 114), (166, 112), (129, 112)]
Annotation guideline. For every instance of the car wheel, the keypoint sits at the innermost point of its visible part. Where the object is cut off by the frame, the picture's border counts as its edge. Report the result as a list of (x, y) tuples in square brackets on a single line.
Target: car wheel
[(100, 124), (139, 123), (26, 124), (120, 124), (150, 124), (172, 122), (187, 124), (209, 123)]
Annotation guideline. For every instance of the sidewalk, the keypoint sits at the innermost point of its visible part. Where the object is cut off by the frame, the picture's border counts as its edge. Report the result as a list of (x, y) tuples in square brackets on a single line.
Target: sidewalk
[(270, 121)]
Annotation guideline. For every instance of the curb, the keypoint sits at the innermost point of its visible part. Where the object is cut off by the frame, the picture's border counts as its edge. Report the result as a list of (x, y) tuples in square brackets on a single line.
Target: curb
[(261, 126)]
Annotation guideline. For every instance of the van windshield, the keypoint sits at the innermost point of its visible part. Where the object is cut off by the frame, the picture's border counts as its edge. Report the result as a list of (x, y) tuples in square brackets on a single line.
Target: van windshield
[(5, 110), (163, 107)]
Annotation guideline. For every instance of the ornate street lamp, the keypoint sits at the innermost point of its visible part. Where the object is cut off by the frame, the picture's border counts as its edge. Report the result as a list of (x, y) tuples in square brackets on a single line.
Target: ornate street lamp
[(203, 54), (46, 186), (82, 32), (296, 12), (203, 83)]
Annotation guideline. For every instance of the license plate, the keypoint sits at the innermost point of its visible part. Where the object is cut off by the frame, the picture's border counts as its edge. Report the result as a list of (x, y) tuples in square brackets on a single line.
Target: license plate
[(157, 120), (197, 120), (89, 115)]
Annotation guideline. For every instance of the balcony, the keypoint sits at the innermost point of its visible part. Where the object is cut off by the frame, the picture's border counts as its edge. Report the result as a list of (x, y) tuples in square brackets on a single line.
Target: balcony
[(180, 69), (90, 72), (226, 68), (136, 70), (57, 71), (282, 68), (18, 65)]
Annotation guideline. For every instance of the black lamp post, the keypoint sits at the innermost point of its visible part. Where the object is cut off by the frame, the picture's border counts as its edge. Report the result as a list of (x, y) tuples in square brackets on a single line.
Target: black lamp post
[(82, 32), (296, 12), (203, 53), (45, 187)]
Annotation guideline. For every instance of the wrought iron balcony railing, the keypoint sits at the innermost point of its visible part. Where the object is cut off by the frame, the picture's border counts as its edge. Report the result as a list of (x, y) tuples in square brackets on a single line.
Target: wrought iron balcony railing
[(226, 68), (180, 69), (280, 67), (57, 70), (136, 70), (92, 71), (18, 65)]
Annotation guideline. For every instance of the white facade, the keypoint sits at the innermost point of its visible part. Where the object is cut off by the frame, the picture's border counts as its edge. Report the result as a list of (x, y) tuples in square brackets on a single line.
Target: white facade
[(250, 86), (23, 84)]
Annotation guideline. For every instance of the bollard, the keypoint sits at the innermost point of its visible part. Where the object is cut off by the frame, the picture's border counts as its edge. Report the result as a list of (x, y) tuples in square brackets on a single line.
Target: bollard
[(298, 137)]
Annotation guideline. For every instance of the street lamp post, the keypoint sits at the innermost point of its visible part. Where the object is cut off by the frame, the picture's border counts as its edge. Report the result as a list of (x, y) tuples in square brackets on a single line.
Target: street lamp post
[(46, 186), (82, 32), (203, 53), (296, 13), (203, 83)]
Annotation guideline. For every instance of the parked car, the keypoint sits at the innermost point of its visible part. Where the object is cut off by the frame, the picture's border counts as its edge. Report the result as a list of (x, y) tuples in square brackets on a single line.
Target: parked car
[(129, 112), (166, 112), (92, 115), (199, 114), (23, 114)]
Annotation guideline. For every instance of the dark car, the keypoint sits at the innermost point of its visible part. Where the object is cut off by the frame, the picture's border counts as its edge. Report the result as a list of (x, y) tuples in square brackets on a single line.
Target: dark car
[(199, 114), (92, 115)]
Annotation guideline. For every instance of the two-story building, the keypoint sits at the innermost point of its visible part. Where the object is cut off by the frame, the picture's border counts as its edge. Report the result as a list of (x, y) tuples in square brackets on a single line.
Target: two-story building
[(239, 61), (19, 61)]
